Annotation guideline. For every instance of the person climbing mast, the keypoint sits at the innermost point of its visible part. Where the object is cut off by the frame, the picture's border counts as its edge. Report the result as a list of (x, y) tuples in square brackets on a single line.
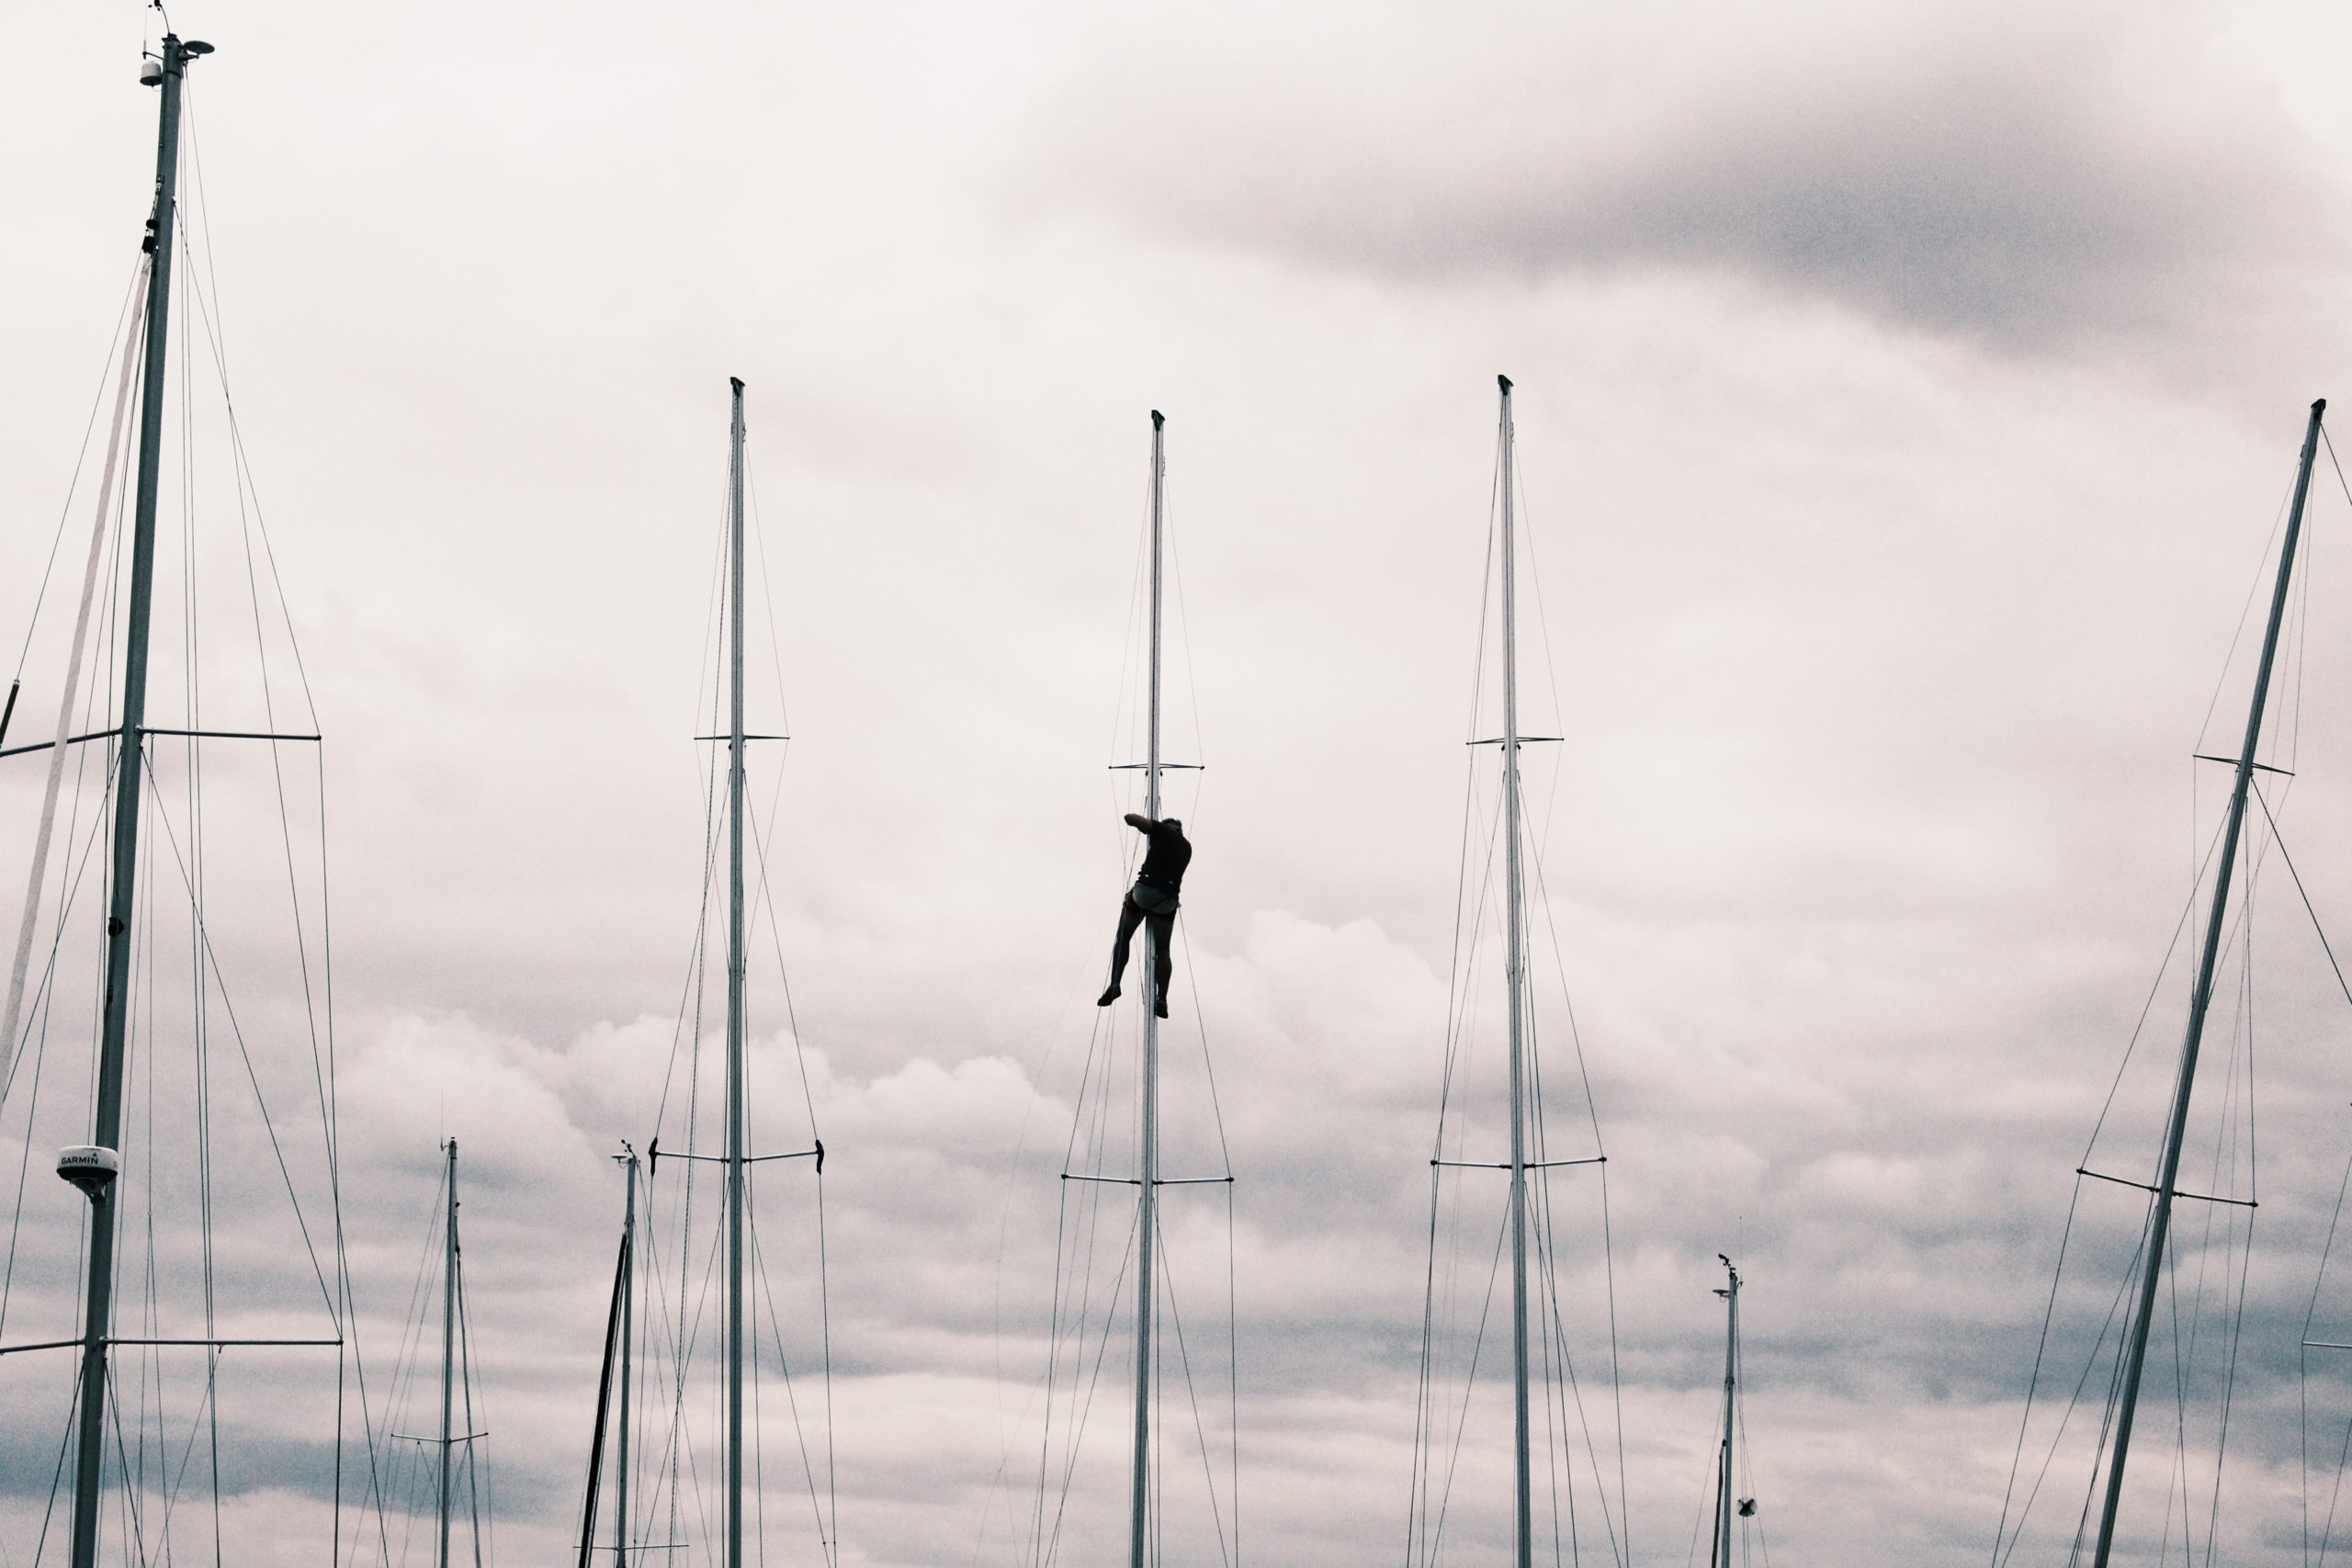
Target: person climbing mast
[(1153, 899)]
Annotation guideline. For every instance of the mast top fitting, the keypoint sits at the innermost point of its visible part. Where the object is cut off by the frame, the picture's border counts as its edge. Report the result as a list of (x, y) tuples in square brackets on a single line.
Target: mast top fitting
[(174, 58)]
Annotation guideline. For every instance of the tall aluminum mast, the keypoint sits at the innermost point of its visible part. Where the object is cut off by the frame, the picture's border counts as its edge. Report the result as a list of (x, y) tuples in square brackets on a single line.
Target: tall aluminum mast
[(628, 1327), (736, 1167), (1723, 1474), (97, 1316), (1149, 1202), (1515, 974), (2168, 1167), (448, 1343)]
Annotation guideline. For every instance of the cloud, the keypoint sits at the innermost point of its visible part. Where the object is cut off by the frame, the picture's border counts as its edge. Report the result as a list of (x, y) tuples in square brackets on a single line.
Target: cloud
[(2021, 176)]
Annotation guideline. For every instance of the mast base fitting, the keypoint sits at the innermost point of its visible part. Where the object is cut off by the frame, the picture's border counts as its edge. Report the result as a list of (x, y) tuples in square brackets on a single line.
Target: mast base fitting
[(89, 1168)]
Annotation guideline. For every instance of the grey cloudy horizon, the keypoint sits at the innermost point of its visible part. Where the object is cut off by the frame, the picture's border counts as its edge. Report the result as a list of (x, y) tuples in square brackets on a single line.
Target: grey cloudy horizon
[(1905, 397)]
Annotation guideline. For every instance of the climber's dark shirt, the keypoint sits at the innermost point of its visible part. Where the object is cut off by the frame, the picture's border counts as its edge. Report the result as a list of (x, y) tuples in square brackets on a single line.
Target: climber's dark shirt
[(1164, 862)]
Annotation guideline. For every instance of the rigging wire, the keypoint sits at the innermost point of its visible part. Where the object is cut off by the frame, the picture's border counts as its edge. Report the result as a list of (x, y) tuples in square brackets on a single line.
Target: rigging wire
[(2302, 1368), (109, 502), (127, 320)]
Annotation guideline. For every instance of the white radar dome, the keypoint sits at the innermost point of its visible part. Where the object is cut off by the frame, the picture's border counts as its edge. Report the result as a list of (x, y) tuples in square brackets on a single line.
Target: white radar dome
[(88, 1166)]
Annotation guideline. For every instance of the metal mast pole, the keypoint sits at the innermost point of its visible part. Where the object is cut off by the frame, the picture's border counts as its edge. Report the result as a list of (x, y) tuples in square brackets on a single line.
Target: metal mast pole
[(1731, 1393), (98, 1314), (735, 1151), (1148, 1214), (2160, 1221), (628, 1318), (448, 1344), (1515, 973)]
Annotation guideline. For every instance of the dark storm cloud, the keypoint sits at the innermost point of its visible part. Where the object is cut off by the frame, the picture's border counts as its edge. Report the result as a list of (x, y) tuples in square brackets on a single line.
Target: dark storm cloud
[(2018, 175)]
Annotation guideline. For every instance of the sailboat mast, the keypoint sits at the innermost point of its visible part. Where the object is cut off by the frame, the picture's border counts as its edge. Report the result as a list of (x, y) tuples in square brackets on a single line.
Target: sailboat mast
[(1515, 974), (2175, 1129), (1730, 1294), (617, 1327), (628, 1318), (736, 1171), (123, 879), (448, 1343), (1149, 1202)]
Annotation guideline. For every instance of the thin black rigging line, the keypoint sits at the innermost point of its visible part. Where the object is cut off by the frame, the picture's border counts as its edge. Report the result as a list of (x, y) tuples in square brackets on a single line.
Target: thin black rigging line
[(827, 1536), (1470, 1375), (684, 1325), (2188, 914), (2245, 612), (65, 508), (1228, 1553), (1183, 627), (43, 1001), (2317, 928), (2294, 719), (2224, 1147), (1002, 1480), (689, 1026), (775, 936), (1608, 1240), (2090, 1364), (1122, 713), (236, 1032), (1077, 1235), (202, 288), (767, 595), (474, 1475), (2330, 442), (1080, 1244), (2334, 1497), (1548, 1251), (1079, 1414), (2302, 1355), (1463, 1001), (1053, 1356)]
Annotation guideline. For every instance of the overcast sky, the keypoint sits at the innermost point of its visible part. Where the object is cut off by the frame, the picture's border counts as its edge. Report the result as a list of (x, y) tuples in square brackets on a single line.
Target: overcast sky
[(1908, 396)]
